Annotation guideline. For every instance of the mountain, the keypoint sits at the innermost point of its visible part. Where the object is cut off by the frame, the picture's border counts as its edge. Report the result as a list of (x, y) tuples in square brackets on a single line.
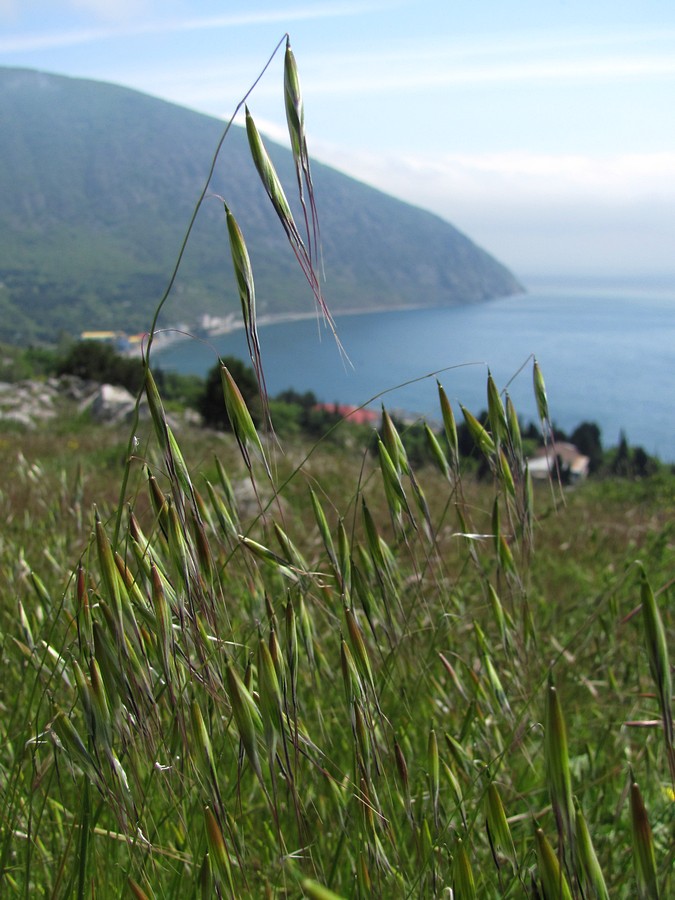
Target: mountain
[(97, 186)]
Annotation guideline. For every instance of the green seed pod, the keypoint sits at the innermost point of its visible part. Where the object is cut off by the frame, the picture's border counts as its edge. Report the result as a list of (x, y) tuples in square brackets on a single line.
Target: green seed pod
[(271, 700), (243, 270), (504, 474), (25, 627), (137, 890), (496, 413), (362, 737), (434, 772), (316, 891), (292, 650), (84, 693), (247, 717), (401, 767), (659, 665), (463, 881), (288, 549), (111, 577), (592, 878), (295, 113), (557, 766), (499, 833), (359, 647), (437, 452), (84, 622), (277, 659), (218, 850), (450, 427), (269, 177), (392, 483), (344, 558), (552, 877), (156, 410), (515, 436), (99, 707), (178, 467), (222, 512), (644, 861), (163, 621), (540, 392), (74, 746), (241, 421), (202, 744), (324, 530), (392, 441), (350, 674), (373, 539), (480, 436)]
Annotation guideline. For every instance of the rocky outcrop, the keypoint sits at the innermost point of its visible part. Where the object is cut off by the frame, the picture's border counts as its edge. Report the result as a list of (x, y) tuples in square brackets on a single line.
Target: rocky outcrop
[(28, 404), (31, 403)]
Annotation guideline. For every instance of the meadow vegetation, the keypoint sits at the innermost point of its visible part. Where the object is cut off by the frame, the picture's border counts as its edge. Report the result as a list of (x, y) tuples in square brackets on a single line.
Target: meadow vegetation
[(239, 665)]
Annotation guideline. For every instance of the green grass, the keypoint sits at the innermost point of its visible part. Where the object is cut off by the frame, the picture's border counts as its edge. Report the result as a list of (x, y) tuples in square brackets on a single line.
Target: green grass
[(232, 669), (325, 774)]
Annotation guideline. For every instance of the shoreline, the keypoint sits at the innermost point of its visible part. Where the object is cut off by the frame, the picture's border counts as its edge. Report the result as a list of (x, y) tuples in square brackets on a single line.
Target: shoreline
[(219, 326)]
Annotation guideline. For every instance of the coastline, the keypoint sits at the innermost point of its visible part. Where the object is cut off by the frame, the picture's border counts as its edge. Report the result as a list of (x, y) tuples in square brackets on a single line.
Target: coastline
[(218, 326)]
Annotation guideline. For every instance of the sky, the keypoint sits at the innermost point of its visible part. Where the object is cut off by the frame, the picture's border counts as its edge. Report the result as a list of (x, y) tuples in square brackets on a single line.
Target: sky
[(543, 129)]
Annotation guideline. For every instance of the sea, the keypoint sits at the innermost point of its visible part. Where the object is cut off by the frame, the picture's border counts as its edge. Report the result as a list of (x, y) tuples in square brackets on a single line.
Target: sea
[(606, 350)]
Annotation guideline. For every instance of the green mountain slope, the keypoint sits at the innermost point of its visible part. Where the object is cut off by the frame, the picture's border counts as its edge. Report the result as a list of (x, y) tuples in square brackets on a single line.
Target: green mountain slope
[(97, 185)]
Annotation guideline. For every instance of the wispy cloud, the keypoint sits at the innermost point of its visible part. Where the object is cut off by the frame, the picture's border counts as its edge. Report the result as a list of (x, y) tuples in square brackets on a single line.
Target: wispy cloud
[(555, 212), (25, 42), (492, 180), (429, 68)]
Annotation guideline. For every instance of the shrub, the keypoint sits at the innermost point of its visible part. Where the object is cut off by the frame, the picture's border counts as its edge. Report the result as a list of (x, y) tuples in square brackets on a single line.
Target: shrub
[(100, 362)]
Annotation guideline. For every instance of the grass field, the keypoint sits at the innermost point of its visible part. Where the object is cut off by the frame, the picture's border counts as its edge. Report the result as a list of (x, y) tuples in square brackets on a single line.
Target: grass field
[(313, 675)]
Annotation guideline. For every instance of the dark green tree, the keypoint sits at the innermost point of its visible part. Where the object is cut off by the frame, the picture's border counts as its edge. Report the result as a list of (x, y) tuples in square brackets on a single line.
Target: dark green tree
[(642, 464), (100, 362), (621, 464), (586, 438)]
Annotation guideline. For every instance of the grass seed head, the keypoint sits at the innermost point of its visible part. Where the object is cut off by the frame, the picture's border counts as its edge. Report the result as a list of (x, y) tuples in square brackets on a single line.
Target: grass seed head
[(659, 664), (450, 427), (540, 392), (218, 850), (437, 452), (644, 859), (316, 891), (551, 875), (496, 413), (557, 765), (241, 421), (247, 717), (463, 881), (499, 833), (479, 434), (593, 880), (515, 437)]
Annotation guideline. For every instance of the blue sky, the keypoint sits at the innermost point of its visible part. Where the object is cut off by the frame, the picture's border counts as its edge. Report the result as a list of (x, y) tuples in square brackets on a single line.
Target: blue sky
[(544, 130)]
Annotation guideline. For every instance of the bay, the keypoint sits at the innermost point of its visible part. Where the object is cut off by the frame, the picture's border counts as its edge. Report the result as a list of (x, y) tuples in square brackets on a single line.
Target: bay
[(607, 353)]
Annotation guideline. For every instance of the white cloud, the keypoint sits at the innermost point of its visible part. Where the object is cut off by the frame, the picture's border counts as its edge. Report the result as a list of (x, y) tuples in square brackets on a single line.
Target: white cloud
[(540, 212), (120, 10), (110, 9), (428, 71)]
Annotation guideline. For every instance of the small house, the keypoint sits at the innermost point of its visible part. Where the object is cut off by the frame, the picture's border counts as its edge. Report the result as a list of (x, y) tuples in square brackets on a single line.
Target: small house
[(571, 464)]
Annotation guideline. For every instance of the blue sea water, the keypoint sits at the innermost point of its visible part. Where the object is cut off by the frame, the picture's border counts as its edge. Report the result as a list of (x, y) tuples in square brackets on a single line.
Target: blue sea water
[(607, 354)]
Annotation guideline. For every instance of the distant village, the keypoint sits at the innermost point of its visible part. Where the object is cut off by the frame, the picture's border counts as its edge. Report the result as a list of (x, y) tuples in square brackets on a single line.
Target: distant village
[(207, 326)]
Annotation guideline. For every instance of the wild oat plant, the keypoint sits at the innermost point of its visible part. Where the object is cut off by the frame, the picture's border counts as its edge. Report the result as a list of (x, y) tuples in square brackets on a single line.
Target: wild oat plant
[(349, 690)]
